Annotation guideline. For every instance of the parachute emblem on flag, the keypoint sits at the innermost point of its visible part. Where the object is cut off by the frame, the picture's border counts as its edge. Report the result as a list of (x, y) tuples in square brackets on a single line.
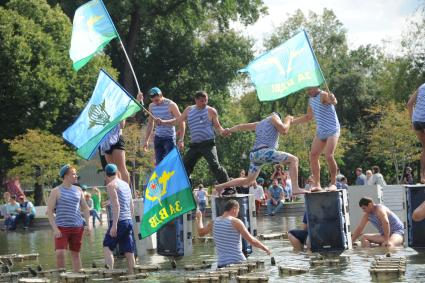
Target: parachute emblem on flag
[(98, 115), (157, 187)]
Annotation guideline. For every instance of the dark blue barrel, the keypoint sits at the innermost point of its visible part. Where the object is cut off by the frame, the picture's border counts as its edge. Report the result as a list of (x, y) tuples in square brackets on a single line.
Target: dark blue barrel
[(326, 222), (415, 230), (170, 238)]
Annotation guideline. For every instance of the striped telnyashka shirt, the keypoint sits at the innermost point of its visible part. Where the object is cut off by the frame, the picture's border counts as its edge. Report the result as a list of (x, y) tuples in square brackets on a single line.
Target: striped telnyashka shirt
[(163, 111), (228, 242), (201, 128), (68, 213)]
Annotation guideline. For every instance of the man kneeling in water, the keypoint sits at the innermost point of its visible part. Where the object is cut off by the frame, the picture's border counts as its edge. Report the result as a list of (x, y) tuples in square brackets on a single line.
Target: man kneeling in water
[(227, 231), (390, 227)]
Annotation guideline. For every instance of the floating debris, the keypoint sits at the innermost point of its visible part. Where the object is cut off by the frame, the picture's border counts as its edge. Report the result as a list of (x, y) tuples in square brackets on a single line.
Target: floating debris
[(274, 236), (71, 277), (292, 270), (203, 280), (252, 279), (146, 268), (51, 272), (34, 280), (197, 266), (387, 267), (113, 273), (203, 240), (133, 277)]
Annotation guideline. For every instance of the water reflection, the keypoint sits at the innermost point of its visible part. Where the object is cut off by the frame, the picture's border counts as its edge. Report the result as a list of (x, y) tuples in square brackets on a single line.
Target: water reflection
[(355, 269)]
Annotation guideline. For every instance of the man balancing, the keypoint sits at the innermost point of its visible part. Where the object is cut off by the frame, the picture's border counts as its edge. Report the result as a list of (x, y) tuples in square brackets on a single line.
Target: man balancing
[(227, 232), (265, 150), (390, 227), (202, 120), (322, 108), (64, 207), (165, 135)]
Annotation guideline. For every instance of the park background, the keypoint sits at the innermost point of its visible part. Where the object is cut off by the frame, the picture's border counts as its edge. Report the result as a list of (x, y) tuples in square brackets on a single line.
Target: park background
[(184, 46)]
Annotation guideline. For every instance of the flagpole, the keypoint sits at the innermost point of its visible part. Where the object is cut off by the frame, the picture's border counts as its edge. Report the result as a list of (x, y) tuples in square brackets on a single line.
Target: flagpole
[(315, 58), (131, 66), (128, 59)]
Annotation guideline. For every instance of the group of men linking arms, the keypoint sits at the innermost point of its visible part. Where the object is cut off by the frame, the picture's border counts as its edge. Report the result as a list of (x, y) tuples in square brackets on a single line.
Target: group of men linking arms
[(203, 121)]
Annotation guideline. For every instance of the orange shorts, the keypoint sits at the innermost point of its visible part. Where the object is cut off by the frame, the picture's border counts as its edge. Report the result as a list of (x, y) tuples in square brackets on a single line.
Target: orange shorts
[(72, 237)]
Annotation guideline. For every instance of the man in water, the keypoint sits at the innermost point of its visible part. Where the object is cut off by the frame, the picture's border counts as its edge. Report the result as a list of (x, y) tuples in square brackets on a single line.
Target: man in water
[(64, 207), (121, 230), (390, 227), (227, 232)]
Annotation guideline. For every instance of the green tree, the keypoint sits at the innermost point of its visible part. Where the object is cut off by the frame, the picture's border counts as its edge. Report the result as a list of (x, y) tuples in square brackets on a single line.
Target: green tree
[(38, 88), (165, 39), (392, 139), (139, 162), (37, 158)]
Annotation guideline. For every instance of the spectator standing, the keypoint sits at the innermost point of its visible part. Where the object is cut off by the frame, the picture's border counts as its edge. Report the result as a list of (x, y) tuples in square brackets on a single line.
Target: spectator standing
[(278, 172), (287, 186), (378, 179), (201, 197), (97, 201), (408, 176), (242, 189), (13, 186), (369, 178), (258, 192), (361, 178), (93, 212)]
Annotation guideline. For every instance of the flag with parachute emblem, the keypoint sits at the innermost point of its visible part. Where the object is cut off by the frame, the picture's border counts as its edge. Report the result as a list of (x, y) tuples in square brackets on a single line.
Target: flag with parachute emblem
[(109, 105), (167, 195), (286, 69), (92, 30)]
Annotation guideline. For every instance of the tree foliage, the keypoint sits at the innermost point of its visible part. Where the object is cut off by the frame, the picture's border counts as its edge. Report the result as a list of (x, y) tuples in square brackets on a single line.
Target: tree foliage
[(392, 138), (38, 88), (39, 151)]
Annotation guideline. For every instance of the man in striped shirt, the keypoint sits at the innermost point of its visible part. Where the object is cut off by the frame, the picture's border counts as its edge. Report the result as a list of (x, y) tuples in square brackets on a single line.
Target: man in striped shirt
[(228, 231), (165, 135), (322, 109), (202, 121), (64, 207)]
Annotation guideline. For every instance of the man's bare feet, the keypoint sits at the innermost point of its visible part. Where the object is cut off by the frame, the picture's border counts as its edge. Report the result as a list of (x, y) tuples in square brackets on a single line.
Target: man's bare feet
[(218, 191), (316, 189), (299, 191), (332, 188)]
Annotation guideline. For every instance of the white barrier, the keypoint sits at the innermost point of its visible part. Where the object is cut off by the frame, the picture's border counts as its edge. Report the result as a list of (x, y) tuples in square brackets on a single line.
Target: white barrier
[(394, 197), (355, 193), (148, 243)]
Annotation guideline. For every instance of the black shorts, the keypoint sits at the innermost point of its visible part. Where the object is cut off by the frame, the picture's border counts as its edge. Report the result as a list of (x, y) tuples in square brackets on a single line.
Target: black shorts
[(119, 145), (419, 126), (301, 235)]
